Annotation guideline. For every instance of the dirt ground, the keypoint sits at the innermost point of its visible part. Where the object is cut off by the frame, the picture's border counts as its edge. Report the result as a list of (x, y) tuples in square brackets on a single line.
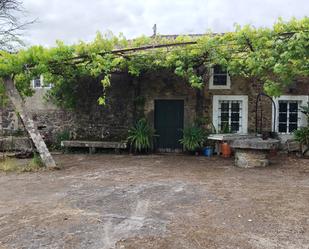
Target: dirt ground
[(157, 201)]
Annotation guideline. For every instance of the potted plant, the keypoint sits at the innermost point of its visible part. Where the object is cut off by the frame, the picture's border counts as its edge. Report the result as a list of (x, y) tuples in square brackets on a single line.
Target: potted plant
[(194, 138), (140, 137)]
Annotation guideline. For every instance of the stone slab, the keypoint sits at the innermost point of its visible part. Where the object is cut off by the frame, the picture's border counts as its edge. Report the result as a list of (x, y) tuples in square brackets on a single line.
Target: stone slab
[(255, 144), (93, 144), (229, 137)]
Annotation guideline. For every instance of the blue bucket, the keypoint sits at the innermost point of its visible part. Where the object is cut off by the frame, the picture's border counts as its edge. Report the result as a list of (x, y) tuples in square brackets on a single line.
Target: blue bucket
[(208, 151)]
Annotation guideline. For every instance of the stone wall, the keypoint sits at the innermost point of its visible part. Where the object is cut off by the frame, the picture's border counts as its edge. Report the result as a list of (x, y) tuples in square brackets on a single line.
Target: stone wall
[(241, 86), (90, 121), (109, 122), (10, 124), (251, 88), (128, 99), (165, 85)]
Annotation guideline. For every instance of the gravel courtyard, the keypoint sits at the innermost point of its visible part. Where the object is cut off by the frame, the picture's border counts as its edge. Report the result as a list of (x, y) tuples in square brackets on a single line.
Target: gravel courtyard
[(156, 201)]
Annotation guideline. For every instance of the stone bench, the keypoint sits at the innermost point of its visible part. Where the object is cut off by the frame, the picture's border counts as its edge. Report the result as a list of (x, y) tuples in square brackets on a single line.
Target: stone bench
[(92, 145)]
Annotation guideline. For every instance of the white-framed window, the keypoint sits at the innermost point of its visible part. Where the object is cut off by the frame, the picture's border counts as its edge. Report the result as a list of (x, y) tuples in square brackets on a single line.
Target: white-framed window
[(288, 113), (230, 113), (219, 78), (39, 83)]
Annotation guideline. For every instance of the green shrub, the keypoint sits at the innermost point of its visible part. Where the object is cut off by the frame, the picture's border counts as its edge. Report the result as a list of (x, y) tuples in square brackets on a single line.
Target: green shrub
[(226, 129), (194, 138), (302, 135), (34, 165), (141, 136), (61, 136)]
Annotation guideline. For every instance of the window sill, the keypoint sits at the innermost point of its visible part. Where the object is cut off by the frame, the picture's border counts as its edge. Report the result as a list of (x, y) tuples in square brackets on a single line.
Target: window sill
[(212, 87)]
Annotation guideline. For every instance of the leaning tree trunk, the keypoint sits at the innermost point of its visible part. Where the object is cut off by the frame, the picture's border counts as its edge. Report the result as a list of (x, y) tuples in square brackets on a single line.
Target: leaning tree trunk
[(31, 128)]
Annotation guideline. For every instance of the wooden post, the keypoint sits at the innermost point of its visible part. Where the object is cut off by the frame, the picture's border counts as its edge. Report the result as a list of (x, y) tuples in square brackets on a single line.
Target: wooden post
[(31, 128)]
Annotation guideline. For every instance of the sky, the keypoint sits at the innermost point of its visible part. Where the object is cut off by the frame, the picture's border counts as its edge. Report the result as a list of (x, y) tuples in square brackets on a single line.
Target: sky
[(74, 20)]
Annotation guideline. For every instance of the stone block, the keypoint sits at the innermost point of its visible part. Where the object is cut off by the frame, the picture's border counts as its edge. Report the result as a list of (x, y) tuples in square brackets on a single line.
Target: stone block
[(247, 158), (12, 143)]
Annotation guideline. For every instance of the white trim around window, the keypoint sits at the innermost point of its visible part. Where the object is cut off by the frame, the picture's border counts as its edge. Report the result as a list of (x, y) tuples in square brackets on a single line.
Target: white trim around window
[(211, 81), (243, 99), (302, 101), (41, 83)]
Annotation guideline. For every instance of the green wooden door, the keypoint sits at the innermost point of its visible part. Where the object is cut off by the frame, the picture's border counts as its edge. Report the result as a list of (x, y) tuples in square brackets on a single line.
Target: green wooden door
[(168, 124)]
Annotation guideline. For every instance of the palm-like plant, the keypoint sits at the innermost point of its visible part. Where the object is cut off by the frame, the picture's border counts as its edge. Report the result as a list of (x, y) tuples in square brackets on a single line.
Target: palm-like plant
[(302, 135), (141, 136), (194, 138)]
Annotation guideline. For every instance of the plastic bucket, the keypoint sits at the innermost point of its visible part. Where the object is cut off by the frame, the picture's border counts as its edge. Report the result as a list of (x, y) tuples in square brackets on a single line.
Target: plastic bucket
[(208, 151)]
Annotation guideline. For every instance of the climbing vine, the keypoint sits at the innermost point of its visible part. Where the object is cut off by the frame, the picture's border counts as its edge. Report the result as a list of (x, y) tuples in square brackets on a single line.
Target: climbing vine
[(275, 56)]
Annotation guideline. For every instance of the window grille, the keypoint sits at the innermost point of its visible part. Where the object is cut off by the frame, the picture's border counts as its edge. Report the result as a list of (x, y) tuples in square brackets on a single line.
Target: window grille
[(230, 116), (289, 116)]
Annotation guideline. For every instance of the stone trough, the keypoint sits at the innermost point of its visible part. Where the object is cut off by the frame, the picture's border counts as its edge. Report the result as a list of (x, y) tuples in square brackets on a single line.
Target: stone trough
[(252, 152)]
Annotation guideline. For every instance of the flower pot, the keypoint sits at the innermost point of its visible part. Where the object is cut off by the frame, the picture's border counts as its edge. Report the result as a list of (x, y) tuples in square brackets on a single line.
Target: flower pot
[(208, 151), (226, 149)]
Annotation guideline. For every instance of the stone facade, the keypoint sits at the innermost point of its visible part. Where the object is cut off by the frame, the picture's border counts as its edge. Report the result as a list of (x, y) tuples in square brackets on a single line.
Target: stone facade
[(89, 121), (128, 99), (165, 85)]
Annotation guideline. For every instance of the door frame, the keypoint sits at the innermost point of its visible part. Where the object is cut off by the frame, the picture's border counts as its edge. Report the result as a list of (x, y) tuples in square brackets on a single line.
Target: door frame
[(183, 116)]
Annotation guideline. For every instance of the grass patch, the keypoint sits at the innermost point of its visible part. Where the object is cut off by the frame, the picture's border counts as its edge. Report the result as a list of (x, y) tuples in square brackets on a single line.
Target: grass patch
[(9, 165), (14, 165), (35, 164)]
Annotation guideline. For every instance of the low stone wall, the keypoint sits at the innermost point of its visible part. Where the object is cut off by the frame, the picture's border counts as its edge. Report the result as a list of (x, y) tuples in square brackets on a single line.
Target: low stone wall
[(246, 158), (13, 143)]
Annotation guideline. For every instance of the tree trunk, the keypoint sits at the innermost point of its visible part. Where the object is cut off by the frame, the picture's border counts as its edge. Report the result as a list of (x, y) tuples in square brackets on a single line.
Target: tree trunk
[(31, 128)]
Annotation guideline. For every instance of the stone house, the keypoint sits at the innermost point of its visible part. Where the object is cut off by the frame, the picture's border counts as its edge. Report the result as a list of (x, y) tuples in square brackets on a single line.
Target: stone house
[(169, 103)]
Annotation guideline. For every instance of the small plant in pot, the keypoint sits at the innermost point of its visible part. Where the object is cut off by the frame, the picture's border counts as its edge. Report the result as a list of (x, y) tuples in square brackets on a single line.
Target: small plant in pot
[(194, 138), (141, 136)]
